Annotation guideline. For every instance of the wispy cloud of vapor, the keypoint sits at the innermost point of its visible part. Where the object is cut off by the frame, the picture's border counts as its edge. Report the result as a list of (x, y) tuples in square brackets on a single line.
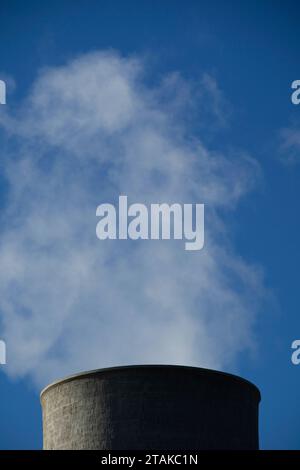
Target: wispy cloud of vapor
[(86, 133), (290, 145)]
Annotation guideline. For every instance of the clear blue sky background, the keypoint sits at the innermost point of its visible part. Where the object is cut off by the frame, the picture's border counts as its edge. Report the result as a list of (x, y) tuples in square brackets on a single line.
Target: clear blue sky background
[(252, 48)]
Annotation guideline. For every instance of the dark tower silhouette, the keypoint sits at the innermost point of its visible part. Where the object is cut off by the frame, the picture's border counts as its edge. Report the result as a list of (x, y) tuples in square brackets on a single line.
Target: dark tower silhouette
[(151, 408)]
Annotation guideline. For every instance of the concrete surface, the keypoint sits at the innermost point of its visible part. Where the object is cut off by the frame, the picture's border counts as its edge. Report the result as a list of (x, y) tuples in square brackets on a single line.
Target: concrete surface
[(151, 408)]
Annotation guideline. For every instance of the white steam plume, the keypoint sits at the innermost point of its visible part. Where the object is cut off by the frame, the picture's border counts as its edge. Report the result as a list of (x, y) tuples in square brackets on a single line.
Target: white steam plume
[(87, 132)]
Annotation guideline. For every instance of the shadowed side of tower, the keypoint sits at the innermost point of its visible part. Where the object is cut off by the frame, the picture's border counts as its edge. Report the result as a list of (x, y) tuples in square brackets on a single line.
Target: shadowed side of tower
[(151, 408)]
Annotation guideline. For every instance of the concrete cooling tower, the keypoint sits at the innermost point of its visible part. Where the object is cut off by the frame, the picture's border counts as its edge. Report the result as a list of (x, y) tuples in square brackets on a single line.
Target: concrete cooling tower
[(151, 407)]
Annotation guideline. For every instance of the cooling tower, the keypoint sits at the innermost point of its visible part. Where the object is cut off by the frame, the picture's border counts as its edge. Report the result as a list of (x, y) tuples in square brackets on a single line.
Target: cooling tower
[(151, 407)]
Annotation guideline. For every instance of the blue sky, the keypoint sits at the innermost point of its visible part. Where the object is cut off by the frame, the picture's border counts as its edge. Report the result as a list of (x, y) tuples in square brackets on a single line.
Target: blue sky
[(214, 72)]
